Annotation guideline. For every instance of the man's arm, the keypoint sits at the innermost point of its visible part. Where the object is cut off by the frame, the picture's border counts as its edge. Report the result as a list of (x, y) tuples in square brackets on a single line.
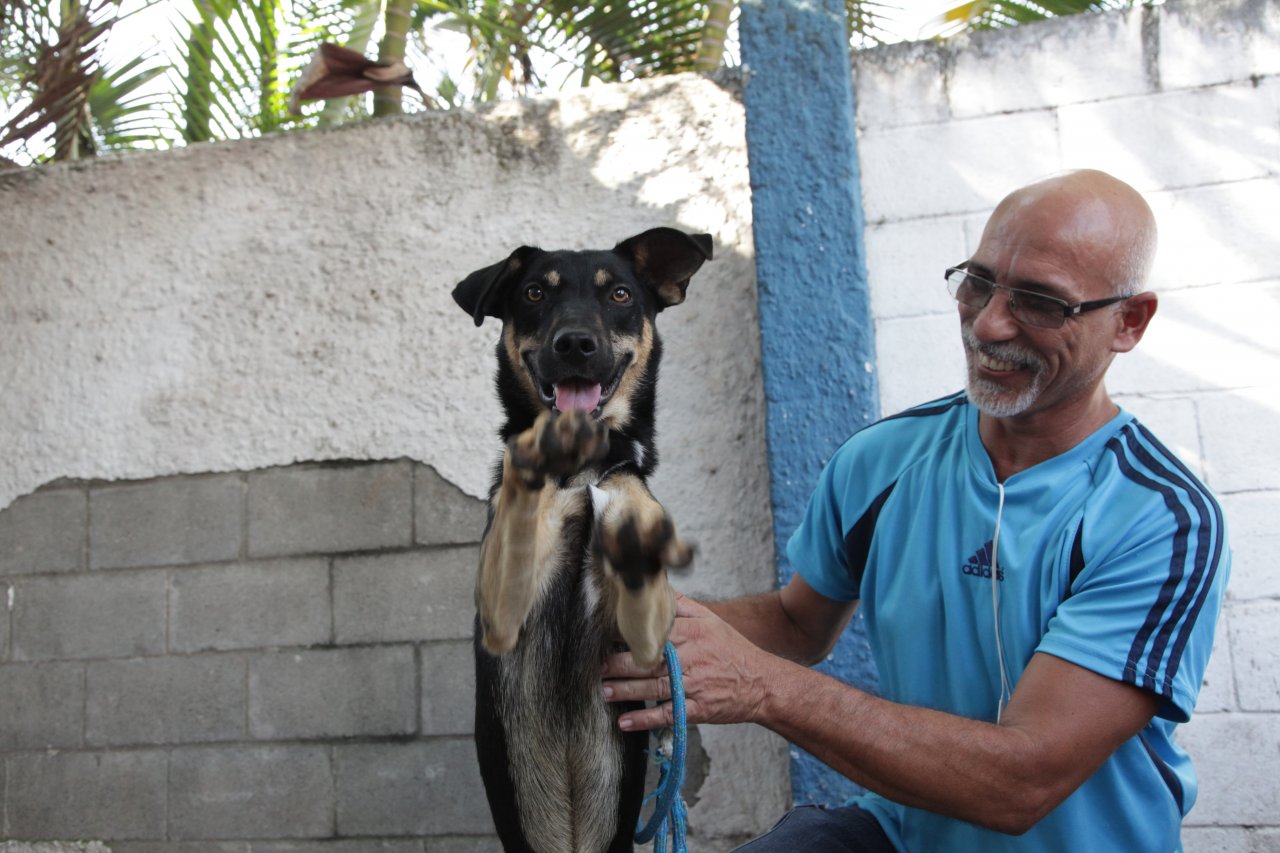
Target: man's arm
[(795, 622), (1061, 724)]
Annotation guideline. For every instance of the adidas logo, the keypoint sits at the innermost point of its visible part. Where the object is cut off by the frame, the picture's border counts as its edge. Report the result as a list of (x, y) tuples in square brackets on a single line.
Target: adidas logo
[(979, 565)]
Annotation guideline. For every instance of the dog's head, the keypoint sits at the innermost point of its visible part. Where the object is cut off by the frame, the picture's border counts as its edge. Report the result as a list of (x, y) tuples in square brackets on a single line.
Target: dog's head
[(578, 327)]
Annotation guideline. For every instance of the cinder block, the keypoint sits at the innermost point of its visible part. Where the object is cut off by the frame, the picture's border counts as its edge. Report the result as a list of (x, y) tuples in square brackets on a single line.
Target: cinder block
[(901, 84), (422, 595), (1175, 421), (104, 795), (1233, 427), (919, 359), (5, 592), (1046, 64), (914, 172), (448, 689), (1218, 691), (48, 847), (906, 262), (1177, 139), (346, 846), (41, 705), (482, 844), (1233, 839), (421, 788), (333, 693), (1217, 235), (1255, 541), (443, 513), (248, 605), (1237, 786), (120, 614), (44, 532), (1200, 335), (1215, 41), (323, 509), (165, 700), (258, 792), (172, 521), (1255, 646), (179, 847)]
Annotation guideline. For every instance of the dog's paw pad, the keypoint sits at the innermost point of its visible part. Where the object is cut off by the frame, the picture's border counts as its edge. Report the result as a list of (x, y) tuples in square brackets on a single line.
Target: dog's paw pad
[(639, 547), (569, 441)]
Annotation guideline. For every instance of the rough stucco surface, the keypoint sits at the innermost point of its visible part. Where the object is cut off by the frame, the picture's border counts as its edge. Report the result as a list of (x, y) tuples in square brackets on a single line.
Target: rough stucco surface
[(237, 306)]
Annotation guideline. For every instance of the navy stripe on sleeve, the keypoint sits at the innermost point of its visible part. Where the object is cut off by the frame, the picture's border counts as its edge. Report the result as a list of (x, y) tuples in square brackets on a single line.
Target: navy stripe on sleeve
[(857, 543), (1204, 573), (1180, 493)]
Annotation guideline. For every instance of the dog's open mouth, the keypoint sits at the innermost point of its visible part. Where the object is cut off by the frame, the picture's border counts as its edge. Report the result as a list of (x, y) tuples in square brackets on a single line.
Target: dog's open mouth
[(576, 392)]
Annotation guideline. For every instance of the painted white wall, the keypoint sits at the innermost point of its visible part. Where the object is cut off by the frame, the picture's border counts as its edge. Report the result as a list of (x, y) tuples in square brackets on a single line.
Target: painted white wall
[(1183, 102), (242, 305)]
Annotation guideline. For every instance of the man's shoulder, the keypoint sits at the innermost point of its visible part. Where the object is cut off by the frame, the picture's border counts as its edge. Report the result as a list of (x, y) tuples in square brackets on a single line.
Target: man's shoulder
[(1142, 461), (936, 417), (894, 443)]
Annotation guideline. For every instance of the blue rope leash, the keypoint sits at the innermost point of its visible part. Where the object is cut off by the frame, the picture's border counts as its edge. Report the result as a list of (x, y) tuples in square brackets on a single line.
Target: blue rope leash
[(670, 814)]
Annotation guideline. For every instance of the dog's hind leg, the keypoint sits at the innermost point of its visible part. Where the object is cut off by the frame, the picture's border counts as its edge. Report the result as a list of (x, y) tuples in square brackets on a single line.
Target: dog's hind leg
[(521, 548), (637, 543)]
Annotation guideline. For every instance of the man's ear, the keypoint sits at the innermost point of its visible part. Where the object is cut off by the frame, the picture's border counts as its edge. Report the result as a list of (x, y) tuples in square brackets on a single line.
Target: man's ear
[(480, 294), (667, 259), (1135, 314)]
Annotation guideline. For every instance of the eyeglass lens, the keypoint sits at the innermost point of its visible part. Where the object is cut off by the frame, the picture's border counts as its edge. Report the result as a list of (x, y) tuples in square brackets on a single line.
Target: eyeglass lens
[(1026, 306)]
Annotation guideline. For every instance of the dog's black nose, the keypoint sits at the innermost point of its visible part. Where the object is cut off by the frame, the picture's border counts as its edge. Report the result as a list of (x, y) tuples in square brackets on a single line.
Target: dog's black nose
[(574, 344)]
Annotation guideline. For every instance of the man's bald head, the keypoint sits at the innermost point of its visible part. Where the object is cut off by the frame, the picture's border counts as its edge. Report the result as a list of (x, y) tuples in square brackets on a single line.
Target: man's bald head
[(1095, 209)]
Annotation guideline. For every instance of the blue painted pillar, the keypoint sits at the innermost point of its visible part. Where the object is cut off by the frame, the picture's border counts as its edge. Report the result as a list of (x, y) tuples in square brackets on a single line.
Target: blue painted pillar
[(815, 317)]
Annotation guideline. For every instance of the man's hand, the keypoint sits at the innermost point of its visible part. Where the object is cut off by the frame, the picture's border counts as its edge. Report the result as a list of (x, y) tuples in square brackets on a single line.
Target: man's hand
[(724, 674)]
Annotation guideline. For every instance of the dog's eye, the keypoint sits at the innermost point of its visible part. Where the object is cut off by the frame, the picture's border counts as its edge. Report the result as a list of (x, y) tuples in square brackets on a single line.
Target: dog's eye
[(534, 293), (621, 295)]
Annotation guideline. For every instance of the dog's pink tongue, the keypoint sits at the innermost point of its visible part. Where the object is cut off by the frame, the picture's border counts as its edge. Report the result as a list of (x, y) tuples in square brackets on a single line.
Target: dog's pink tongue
[(577, 395)]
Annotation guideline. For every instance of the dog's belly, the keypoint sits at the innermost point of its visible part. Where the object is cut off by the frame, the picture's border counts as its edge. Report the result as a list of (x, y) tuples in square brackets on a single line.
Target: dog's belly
[(565, 756)]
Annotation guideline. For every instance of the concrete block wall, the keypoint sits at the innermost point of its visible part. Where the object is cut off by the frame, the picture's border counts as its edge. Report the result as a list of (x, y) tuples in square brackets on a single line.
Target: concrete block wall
[(272, 660), (1182, 101)]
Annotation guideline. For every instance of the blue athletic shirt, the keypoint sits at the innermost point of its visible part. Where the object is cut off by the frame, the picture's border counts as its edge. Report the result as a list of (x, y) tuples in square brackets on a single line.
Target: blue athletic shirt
[(1112, 556)]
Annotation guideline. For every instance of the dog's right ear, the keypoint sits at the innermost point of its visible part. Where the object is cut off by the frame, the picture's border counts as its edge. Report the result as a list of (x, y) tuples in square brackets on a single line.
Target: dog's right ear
[(480, 294)]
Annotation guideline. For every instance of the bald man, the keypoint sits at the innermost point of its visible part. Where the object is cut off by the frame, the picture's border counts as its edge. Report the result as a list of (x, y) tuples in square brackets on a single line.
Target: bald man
[(1039, 575)]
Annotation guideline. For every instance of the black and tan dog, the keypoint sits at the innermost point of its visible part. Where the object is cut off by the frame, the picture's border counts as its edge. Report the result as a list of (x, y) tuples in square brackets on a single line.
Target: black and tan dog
[(576, 548)]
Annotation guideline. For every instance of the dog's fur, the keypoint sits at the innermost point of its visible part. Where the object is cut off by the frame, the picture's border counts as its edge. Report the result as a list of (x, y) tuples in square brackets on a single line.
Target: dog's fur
[(576, 549)]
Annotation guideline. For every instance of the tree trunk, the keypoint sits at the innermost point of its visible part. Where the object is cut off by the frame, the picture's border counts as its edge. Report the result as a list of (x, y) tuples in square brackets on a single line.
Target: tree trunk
[(387, 100), (714, 33)]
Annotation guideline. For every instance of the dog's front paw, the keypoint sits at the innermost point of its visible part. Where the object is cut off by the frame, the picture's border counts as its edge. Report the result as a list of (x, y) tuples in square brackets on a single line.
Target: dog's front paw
[(637, 544), (636, 547), (559, 444)]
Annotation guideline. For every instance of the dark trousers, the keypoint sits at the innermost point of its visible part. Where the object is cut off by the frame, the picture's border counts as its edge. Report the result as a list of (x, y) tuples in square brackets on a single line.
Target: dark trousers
[(817, 829)]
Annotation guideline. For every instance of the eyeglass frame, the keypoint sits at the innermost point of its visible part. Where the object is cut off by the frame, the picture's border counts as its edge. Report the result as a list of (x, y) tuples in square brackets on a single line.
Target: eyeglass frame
[(1068, 309)]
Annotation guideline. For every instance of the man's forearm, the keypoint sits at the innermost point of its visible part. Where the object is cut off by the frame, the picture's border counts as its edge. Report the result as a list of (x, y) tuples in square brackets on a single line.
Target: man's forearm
[(764, 621), (795, 622), (961, 768)]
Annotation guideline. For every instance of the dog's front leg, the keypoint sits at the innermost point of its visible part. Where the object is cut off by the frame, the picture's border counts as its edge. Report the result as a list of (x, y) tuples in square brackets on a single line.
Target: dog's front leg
[(637, 542), (520, 548)]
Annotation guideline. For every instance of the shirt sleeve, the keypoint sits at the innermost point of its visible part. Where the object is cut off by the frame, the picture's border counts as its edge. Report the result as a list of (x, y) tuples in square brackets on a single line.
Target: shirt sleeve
[(816, 550), (1144, 607)]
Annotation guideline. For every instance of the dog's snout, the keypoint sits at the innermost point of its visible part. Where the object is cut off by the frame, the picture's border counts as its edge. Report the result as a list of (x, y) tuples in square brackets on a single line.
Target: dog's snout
[(575, 344)]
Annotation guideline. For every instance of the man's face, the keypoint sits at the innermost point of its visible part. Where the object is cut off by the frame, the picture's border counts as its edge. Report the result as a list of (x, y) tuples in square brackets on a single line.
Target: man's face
[(1062, 247)]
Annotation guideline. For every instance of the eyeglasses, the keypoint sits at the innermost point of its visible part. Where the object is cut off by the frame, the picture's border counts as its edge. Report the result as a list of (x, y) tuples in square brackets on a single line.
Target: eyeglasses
[(1026, 306)]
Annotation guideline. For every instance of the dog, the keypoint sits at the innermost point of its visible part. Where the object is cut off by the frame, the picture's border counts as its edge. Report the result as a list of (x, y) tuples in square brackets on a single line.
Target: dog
[(575, 551)]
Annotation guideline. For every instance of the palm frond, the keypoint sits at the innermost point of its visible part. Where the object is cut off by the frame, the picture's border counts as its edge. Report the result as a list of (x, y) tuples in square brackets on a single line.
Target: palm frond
[(992, 14)]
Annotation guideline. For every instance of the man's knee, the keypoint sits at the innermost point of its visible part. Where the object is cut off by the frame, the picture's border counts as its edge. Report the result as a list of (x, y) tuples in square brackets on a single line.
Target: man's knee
[(848, 829)]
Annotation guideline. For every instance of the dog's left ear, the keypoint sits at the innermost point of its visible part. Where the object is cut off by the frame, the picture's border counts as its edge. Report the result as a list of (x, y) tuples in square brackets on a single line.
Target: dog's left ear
[(667, 258), (480, 294)]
